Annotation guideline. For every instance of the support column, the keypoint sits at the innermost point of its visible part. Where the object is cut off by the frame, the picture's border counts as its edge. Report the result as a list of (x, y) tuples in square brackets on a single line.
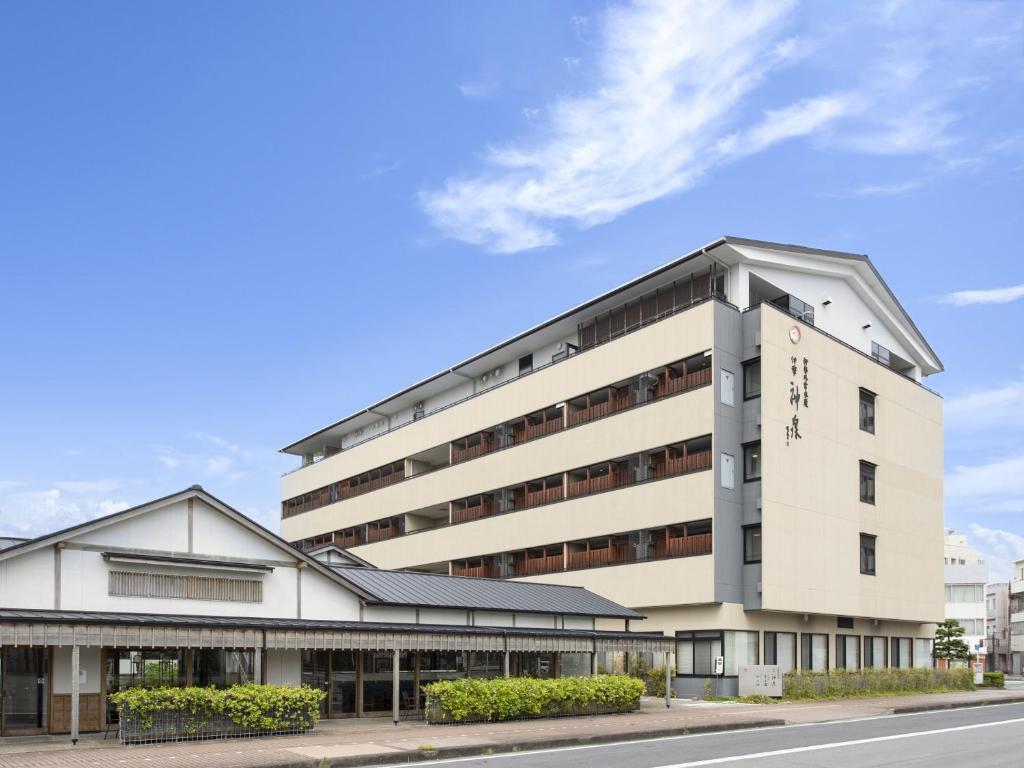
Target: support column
[(396, 702), (506, 663), (75, 691), (668, 679)]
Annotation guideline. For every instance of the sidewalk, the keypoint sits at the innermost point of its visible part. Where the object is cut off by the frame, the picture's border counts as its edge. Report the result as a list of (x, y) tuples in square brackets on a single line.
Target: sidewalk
[(369, 741)]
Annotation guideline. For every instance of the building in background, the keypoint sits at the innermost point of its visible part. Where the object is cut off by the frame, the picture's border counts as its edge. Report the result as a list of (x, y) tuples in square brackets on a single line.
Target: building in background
[(737, 444), (1017, 619), (997, 630), (966, 576)]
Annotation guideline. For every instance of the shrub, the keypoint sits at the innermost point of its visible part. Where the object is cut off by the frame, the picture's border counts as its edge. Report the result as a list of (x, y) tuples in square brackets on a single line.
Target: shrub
[(840, 683), (994, 680), (250, 707), (502, 698)]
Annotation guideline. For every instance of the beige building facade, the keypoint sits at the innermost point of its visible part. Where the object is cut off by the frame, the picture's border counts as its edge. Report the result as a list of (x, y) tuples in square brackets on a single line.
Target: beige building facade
[(737, 445)]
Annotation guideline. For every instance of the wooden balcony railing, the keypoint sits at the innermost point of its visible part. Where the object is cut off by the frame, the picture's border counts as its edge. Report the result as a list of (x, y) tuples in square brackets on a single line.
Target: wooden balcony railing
[(348, 491), (608, 556), (465, 514), (681, 465), (530, 499), (471, 452), (598, 484), (480, 571), (532, 566), (683, 383), (533, 431), (611, 405), (683, 546), (381, 534), (347, 540)]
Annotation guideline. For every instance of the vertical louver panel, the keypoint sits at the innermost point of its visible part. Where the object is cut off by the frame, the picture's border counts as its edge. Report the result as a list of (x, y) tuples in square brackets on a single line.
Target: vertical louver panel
[(167, 586)]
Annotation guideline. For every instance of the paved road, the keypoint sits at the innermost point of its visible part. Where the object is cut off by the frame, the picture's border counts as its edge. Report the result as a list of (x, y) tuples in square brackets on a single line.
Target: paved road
[(982, 737)]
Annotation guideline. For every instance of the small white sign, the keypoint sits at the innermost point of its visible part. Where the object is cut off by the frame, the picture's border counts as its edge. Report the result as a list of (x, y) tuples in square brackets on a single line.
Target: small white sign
[(719, 665), (760, 680)]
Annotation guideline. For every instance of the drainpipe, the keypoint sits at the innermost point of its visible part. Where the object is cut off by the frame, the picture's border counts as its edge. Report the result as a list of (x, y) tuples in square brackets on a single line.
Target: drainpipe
[(75, 691), (395, 703)]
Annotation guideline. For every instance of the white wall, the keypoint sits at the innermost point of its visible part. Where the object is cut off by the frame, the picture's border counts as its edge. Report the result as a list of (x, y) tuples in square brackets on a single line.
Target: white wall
[(492, 619), (388, 614), (164, 529), (88, 662), (578, 622), (326, 599), (444, 616), (26, 581), (535, 620)]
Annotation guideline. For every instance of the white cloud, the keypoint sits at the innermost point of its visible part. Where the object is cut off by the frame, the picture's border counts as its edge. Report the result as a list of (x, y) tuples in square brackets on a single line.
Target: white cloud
[(995, 486), (101, 486), (171, 462), (1000, 407), (681, 88), (480, 88), (987, 296), (219, 465), (999, 549), (886, 190), (33, 513), (382, 169)]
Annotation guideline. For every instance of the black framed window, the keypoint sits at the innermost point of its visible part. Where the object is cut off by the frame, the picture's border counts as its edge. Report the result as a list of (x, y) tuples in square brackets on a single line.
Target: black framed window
[(780, 648), (752, 544), (875, 649), (902, 654), (752, 461), (867, 411), (867, 554), (867, 482), (848, 652), (813, 652), (525, 364), (752, 379)]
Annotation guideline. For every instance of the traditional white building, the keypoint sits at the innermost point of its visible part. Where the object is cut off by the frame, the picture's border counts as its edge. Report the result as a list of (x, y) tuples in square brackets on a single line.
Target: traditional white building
[(185, 590)]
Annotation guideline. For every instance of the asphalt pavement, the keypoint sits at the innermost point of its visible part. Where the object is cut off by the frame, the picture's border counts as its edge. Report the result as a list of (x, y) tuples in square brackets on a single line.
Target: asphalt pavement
[(981, 737)]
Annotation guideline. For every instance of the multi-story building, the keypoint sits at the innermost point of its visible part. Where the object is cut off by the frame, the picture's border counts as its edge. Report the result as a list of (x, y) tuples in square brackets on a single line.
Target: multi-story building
[(1017, 619), (965, 576), (737, 443), (997, 629)]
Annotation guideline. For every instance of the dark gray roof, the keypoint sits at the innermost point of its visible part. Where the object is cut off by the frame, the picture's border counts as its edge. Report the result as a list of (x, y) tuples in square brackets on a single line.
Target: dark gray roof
[(27, 615), (432, 590)]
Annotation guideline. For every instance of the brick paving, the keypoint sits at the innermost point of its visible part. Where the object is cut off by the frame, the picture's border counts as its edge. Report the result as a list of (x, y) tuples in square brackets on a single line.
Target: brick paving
[(364, 740)]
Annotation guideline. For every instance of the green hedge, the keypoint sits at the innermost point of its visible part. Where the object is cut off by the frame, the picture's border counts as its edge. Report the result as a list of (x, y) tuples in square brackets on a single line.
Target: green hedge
[(504, 698), (867, 682), (251, 707), (994, 680)]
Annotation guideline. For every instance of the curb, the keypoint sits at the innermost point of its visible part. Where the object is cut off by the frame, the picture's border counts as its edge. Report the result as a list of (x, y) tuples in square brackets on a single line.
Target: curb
[(910, 710), (486, 750)]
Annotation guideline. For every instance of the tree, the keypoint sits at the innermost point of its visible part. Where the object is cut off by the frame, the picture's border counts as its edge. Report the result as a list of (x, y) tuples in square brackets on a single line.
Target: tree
[(949, 641)]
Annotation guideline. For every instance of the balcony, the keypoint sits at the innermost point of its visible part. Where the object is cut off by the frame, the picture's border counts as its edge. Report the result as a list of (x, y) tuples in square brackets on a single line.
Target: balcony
[(605, 482), (537, 425), (348, 538), (470, 447), (598, 404), (382, 531), (472, 509), (682, 546), (371, 481), (533, 566), (473, 568), (536, 493), (669, 385), (616, 554), (670, 466)]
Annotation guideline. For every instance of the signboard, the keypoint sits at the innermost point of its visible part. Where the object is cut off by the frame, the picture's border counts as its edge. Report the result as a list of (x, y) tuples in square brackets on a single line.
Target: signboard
[(979, 672), (719, 665), (760, 680)]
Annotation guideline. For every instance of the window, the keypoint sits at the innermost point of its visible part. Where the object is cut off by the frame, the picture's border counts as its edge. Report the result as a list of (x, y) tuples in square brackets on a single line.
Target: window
[(740, 650), (752, 379), (965, 593), (525, 364), (867, 554), (923, 653), (752, 544), (752, 461), (813, 652), (844, 622), (880, 353), (874, 653), (848, 652), (901, 657), (780, 648), (867, 411), (972, 626), (696, 652), (867, 482)]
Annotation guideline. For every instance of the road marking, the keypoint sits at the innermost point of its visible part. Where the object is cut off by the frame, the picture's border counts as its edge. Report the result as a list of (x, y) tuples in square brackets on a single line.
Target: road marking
[(731, 732), (836, 745)]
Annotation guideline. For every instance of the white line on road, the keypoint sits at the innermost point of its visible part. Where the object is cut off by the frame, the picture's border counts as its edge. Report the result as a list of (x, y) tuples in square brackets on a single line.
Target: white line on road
[(710, 734), (836, 745)]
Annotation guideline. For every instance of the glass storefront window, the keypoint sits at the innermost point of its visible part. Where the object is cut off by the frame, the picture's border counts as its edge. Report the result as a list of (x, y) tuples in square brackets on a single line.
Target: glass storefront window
[(222, 669), (780, 648), (343, 683), (377, 682), (486, 664), (740, 650), (575, 664), (146, 669)]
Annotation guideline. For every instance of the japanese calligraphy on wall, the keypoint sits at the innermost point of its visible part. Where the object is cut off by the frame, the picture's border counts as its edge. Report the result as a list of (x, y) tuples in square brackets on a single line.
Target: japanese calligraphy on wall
[(798, 389)]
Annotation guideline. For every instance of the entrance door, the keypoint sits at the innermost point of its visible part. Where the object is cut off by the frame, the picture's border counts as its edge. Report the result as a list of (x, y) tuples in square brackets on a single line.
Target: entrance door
[(343, 683), (314, 674), (24, 690)]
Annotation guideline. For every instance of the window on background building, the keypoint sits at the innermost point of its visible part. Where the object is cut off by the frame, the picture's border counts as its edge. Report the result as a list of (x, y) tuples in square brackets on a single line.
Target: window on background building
[(867, 482), (848, 652), (867, 554), (780, 648), (752, 544), (813, 652), (965, 593), (752, 461), (874, 653), (525, 364), (867, 411), (902, 654), (752, 379), (923, 653)]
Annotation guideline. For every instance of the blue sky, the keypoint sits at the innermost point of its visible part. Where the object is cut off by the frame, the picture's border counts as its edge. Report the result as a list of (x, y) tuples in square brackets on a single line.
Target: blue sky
[(223, 225)]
